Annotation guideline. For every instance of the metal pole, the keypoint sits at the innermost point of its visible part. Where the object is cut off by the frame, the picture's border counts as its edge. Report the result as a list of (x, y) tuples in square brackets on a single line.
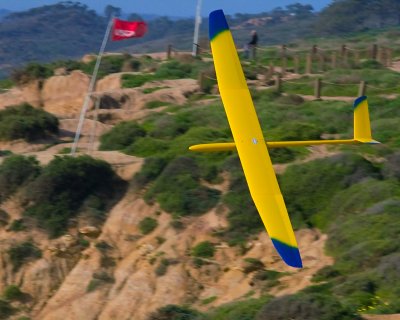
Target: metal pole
[(90, 89), (93, 132), (197, 23)]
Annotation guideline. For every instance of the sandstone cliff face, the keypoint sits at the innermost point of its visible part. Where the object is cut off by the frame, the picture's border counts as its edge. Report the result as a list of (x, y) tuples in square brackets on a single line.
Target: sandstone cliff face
[(65, 94), (30, 93), (120, 275)]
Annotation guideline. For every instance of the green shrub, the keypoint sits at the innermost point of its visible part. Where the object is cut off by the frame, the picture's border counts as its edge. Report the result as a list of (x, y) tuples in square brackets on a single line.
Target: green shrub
[(17, 225), (121, 136), (65, 183), (174, 70), (135, 80), (15, 171), (147, 225), (305, 306), (326, 273), (109, 64), (147, 147), (26, 122), (23, 252), (162, 268), (243, 216), (203, 249), (13, 292), (6, 84), (151, 169), (238, 310), (330, 175), (4, 218), (6, 309), (99, 279), (174, 312), (178, 189), (155, 104), (252, 264), (32, 71)]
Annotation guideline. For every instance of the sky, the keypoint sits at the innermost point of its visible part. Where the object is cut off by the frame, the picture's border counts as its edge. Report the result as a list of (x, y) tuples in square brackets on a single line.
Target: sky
[(184, 8)]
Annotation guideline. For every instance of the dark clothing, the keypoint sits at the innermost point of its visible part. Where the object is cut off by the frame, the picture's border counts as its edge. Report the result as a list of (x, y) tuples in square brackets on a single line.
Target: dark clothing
[(254, 40)]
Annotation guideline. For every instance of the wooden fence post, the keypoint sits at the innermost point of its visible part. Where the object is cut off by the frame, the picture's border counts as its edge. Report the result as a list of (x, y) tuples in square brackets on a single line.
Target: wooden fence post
[(362, 89), (317, 88), (169, 50), (309, 63), (278, 83), (202, 77)]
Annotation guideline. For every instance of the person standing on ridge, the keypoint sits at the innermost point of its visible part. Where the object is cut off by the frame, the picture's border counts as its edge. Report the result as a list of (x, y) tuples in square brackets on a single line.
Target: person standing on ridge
[(252, 44)]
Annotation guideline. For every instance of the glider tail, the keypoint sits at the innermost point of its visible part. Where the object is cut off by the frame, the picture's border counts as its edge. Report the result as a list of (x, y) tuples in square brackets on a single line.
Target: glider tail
[(362, 124)]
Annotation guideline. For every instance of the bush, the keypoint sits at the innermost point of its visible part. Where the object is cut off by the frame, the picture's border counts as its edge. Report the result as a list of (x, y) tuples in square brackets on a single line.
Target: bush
[(17, 225), (203, 249), (178, 189), (151, 169), (15, 171), (99, 279), (174, 70), (252, 264), (109, 64), (162, 267), (65, 183), (13, 292), (6, 309), (330, 175), (239, 310), (32, 71), (121, 136), (174, 312), (23, 252), (4, 218), (147, 225), (26, 122), (305, 306), (135, 80), (243, 217)]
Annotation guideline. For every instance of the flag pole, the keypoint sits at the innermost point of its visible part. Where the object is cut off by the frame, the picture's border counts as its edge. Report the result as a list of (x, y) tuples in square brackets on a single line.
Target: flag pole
[(197, 23), (91, 87)]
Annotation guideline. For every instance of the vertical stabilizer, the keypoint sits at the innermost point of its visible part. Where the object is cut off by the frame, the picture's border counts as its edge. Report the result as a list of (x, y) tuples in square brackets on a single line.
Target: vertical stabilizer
[(362, 125)]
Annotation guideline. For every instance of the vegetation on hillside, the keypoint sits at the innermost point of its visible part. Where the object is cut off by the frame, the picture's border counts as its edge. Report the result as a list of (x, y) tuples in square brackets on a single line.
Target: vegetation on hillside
[(68, 186), (70, 29), (353, 195), (26, 122)]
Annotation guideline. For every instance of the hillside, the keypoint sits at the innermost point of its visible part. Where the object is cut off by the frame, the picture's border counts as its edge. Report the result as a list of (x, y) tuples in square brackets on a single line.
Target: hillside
[(69, 29), (142, 228)]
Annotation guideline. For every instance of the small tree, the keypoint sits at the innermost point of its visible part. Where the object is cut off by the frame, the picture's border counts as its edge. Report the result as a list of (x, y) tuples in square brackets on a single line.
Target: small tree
[(147, 225), (204, 249)]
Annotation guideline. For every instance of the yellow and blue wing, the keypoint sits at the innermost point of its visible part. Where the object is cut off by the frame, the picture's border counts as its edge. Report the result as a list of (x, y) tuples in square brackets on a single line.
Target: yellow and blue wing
[(249, 141)]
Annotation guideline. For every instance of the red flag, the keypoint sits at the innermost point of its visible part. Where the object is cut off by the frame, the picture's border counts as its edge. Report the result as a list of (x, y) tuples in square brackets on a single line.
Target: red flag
[(128, 29)]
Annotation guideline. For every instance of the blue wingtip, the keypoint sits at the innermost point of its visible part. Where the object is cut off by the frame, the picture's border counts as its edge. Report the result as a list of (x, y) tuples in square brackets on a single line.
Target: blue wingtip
[(358, 101), (217, 23), (290, 255)]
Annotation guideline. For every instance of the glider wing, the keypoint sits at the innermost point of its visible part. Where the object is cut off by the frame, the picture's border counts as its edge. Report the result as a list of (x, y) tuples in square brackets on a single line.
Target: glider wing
[(249, 141)]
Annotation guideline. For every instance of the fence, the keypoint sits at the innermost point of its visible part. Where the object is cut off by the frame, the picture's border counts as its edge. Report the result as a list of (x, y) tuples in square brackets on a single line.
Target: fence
[(313, 60)]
